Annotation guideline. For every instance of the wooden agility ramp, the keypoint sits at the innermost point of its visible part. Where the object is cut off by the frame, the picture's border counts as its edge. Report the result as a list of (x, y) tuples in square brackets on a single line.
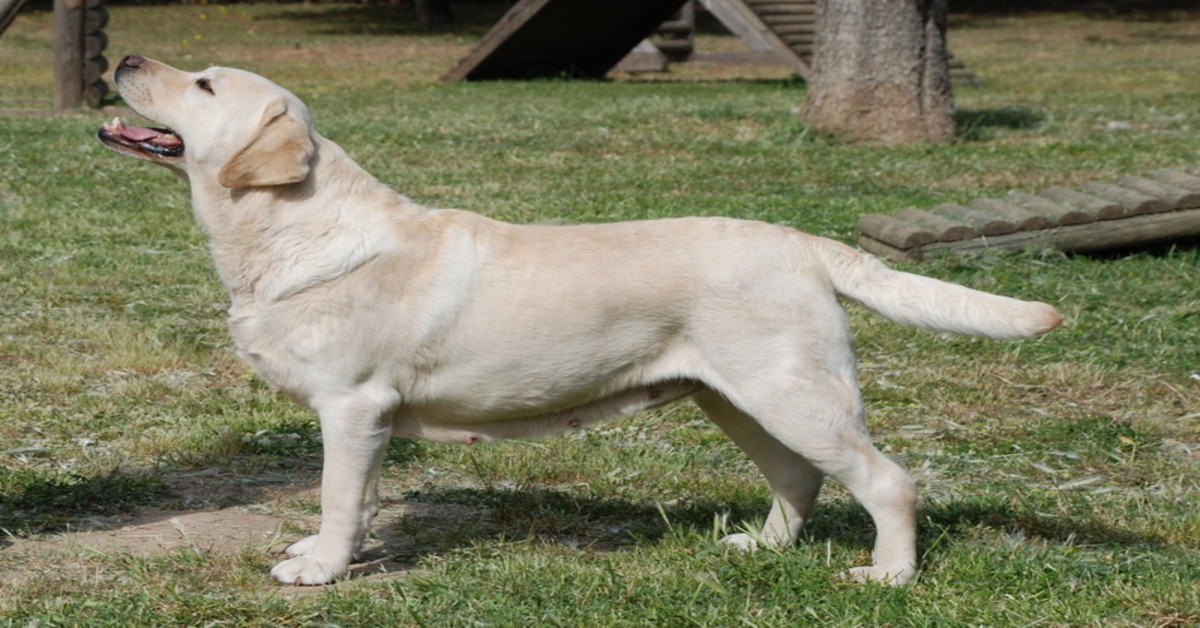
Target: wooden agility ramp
[(1095, 217), (553, 38), (587, 38)]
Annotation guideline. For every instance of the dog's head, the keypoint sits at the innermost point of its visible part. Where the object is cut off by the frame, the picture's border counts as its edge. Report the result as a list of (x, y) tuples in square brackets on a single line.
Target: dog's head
[(228, 126)]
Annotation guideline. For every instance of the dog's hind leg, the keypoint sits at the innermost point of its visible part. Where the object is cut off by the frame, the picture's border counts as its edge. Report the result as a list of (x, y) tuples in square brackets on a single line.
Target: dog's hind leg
[(355, 429), (820, 420), (795, 482)]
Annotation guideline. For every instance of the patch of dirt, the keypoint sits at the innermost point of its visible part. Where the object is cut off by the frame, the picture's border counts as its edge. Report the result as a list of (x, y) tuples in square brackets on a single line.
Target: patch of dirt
[(227, 530), (218, 531)]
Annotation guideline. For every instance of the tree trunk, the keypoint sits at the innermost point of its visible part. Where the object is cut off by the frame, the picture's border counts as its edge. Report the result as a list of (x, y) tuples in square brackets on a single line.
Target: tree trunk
[(434, 12), (880, 71)]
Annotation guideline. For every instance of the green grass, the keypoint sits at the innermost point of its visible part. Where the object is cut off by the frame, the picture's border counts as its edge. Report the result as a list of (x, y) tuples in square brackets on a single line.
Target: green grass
[(1058, 476)]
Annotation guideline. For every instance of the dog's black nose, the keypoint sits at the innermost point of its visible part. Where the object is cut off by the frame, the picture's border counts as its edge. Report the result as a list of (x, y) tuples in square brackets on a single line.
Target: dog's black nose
[(133, 60)]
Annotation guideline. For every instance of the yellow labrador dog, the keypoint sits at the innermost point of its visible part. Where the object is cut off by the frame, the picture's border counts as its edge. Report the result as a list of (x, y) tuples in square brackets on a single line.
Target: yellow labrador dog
[(391, 319)]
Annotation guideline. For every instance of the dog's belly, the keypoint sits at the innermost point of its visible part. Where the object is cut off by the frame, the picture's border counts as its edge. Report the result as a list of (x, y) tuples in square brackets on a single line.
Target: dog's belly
[(428, 424)]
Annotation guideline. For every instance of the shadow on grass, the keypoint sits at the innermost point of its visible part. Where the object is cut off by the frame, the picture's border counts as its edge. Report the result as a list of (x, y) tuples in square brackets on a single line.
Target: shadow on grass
[(979, 124), (466, 517), (1165, 249), (447, 519), (1081, 528), (463, 517), (34, 503)]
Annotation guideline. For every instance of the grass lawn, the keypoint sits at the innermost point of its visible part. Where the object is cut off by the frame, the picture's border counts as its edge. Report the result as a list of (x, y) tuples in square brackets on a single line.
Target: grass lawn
[(1058, 476)]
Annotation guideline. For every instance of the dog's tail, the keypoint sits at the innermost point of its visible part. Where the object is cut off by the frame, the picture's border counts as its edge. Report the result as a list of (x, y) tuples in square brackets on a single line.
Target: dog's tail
[(931, 304)]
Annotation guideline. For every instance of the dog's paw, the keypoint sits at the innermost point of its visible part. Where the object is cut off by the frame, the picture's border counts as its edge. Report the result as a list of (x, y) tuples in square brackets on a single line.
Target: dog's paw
[(896, 576), (303, 547), (308, 545), (306, 570), (743, 543)]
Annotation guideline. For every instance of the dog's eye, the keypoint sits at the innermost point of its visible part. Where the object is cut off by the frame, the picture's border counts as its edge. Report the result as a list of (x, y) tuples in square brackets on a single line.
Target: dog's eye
[(205, 85)]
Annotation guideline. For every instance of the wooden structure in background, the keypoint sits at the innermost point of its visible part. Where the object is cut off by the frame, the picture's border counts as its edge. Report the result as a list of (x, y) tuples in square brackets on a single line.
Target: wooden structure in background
[(8, 12), (550, 38), (788, 28), (1098, 216), (79, 43)]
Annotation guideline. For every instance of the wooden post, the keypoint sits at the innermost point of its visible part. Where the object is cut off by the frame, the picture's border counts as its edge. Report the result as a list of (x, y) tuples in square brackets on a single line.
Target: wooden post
[(79, 42), (68, 54)]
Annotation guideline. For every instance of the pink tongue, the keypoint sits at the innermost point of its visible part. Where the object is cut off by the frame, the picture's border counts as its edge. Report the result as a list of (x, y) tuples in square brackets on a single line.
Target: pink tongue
[(138, 133)]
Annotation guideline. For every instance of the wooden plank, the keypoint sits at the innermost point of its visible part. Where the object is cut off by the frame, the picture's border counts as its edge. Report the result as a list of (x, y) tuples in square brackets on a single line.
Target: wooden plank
[(1178, 179), (739, 57), (741, 21), (95, 18), (893, 231), (875, 247), (93, 45), (1098, 207), (1056, 212), (1177, 196), (551, 38), (986, 224), (1024, 219), (787, 31), (801, 44), (1133, 201), (944, 229), (94, 68), (776, 6), (677, 49), (1091, 237), (775, 20), (777, 9)]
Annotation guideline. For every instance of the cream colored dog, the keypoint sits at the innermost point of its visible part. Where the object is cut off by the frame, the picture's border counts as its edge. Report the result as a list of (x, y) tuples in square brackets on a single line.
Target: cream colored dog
[(392, 319)]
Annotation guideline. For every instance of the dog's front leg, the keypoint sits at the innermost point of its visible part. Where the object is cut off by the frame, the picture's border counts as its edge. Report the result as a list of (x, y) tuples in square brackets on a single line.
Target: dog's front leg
[(355, 429)]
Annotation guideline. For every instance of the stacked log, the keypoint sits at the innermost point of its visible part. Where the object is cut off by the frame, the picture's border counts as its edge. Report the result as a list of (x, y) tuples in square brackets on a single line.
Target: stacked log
[(1097, 216)]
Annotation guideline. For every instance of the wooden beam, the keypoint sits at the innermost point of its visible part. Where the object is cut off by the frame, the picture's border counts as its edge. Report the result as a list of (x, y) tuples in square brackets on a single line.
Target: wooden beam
[(1092, 237), (68, 54)]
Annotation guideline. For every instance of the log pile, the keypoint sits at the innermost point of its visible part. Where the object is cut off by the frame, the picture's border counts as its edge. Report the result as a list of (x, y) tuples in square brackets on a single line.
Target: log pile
[(1097, 216)]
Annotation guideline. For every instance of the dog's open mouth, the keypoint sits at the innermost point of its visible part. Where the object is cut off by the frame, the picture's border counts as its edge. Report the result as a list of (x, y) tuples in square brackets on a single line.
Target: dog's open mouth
[(140, 141)]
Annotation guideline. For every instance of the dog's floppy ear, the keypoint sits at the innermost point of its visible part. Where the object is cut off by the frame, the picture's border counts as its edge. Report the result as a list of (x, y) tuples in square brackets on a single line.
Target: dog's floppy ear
[(277, 153)]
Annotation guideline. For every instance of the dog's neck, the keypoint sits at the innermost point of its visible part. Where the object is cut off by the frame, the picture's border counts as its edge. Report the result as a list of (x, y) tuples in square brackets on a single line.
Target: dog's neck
[(267, 247)]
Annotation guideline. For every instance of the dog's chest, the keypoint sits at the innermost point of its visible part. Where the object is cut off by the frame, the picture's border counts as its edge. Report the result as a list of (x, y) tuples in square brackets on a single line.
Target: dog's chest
[(286, 353)]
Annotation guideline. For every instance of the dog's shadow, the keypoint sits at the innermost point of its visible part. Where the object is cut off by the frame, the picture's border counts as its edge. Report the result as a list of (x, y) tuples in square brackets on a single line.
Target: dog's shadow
[(451, 519), (441, 520)]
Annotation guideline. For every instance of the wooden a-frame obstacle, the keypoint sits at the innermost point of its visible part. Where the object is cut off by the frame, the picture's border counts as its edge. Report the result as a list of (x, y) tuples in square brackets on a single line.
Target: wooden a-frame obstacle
[(1134, 211), (587, 38)]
